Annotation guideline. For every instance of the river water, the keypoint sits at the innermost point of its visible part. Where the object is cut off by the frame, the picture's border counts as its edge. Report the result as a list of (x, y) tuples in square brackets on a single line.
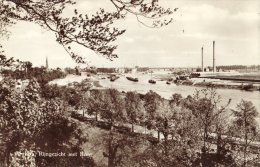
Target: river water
[(122, 84)]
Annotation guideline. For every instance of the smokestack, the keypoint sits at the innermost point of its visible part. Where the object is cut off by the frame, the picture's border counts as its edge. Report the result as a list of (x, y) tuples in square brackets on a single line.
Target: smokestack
[(202, 66), (214, 65)]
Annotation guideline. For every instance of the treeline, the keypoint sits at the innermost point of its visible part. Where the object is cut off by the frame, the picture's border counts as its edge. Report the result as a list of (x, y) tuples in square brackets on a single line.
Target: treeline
[(41, 74), (113, 70), (196, 130), (106, 70), (238, 67), (143, 69)]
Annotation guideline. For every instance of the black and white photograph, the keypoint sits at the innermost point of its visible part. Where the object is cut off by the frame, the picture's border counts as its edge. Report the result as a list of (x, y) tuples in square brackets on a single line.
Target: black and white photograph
[(129, 83)]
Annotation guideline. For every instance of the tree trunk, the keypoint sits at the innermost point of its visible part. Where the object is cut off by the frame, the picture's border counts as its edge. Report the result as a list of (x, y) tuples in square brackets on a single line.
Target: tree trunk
[(165, 143), (96, 116), (110, 149), (245, 151), (82, 105), (110, 158), (158, 135), (218, 144), (205, 138)]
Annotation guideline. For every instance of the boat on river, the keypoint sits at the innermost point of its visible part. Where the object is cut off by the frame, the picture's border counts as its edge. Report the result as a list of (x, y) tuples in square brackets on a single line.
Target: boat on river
[(152, 81), (113, 78), (132, 79)]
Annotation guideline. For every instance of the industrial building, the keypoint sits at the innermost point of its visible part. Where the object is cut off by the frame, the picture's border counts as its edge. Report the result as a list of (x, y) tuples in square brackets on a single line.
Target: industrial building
[(207, 73)]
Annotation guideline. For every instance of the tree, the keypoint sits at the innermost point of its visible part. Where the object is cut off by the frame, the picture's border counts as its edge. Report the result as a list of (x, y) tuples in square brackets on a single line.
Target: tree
[(29, 123), (5, 62), (94, 32), (19, 114), (82, 88), (50, 92), (205, 108), (113, 110), (176, 99), (27, 66), (133, 107), (245, 125), (120, 148), (223, 131), (152, 102), (165, 120), (96, 102)]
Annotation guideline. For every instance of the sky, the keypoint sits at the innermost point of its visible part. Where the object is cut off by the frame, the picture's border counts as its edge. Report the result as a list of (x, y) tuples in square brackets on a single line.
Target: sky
[(233, 24)]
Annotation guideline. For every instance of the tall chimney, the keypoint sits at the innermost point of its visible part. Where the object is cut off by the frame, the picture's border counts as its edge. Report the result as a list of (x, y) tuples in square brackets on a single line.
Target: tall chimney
[(202, 66), (214, 65)]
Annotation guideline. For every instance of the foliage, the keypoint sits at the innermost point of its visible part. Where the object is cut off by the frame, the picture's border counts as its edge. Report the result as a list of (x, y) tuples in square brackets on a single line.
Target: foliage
[(154, 156), (106, 70), (40, 74), (204, 107), (114, 107), (94, 32), (31, 123), (152, 104), (133, 107), (68, 95), (245, 125), (120, 148), (52, 91), (22, 158), (20, 113), (176, 99), (96, 102)]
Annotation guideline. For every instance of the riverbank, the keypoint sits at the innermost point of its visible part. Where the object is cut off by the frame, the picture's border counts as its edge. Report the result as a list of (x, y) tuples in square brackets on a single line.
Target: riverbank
[(222, 85), (245, 82)]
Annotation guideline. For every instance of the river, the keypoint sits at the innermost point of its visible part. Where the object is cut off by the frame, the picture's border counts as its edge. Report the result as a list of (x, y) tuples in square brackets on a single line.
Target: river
[(122, 84)]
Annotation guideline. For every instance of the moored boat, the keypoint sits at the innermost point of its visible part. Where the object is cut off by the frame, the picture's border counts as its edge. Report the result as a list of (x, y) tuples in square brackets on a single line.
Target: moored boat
[(132, 79), (152, 81), (113, 78)]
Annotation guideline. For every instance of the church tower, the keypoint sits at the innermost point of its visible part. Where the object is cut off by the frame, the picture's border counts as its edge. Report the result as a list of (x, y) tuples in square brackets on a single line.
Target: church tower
[(47, 64)]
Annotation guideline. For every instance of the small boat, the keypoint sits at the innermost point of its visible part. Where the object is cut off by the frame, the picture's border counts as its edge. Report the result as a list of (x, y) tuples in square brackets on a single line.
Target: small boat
[(132, 79), (152, 81), (113, 78)]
